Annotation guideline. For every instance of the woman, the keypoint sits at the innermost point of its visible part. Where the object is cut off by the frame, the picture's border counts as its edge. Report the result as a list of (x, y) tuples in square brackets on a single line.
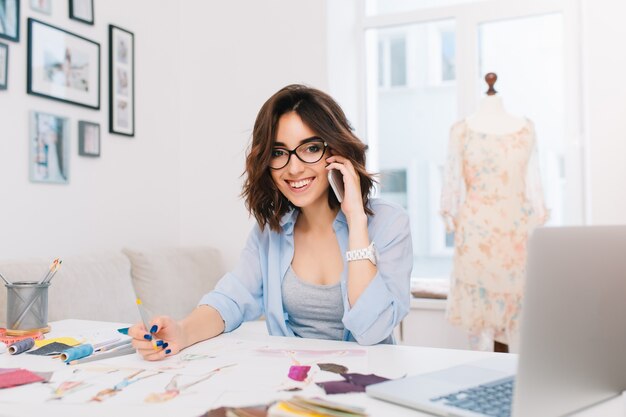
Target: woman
[(293, 269)]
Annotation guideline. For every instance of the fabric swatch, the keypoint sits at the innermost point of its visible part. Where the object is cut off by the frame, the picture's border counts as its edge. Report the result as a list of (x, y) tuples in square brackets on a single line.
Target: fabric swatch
[(353, 383), (364, 380), (333, 367), (298, 373), (340, 387), (54, 348), (18, 377), (70, 341)]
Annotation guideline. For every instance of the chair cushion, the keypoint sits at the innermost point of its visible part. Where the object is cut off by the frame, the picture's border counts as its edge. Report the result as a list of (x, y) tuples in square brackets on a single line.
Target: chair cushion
[(171, 281), (89, 287)]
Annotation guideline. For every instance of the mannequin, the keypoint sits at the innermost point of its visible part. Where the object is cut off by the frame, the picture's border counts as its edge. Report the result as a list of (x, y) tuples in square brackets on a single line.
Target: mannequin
[(491, 117), (492, 200)]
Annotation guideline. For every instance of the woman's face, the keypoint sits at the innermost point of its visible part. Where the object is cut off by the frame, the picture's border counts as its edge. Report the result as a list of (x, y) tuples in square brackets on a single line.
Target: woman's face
[(304, 184)]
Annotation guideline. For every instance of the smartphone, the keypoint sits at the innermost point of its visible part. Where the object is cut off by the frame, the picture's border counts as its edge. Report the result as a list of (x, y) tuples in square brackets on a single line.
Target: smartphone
[(336, 183)]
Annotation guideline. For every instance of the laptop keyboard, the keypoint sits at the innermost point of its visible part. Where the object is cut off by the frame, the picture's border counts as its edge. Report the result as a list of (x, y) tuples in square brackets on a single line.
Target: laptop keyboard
[(492, 399)]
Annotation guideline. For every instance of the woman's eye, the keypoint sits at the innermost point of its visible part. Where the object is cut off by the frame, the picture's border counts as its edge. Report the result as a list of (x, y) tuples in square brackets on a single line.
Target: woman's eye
[(313, 148), (277, 153)]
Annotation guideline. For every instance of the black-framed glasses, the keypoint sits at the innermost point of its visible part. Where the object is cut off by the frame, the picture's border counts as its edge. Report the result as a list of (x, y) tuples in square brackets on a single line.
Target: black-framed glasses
[(309, 152)]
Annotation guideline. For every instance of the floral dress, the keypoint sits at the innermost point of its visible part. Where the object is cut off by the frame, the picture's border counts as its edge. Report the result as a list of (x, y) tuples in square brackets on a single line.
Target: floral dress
[(492, 199)]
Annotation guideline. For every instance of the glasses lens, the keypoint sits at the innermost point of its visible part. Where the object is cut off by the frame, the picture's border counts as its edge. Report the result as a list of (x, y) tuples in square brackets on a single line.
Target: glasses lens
[(311, 152), (279, 158)]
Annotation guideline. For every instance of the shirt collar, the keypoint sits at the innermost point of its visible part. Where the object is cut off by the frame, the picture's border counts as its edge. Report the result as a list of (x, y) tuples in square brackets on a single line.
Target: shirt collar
[(288, 221)]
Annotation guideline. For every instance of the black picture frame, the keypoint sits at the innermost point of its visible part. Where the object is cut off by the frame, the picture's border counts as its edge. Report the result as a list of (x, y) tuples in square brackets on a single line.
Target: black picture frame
[(62, 66), (82, 10), (4, 66), (88, 139), (121, 81), (10, 20)]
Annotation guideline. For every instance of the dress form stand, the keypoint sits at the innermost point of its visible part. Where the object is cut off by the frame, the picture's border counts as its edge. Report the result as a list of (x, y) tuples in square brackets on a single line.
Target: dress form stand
[(491, 117)]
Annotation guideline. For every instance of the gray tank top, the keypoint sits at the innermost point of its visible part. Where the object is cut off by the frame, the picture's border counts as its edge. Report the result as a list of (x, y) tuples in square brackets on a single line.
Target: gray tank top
[(314, 311)]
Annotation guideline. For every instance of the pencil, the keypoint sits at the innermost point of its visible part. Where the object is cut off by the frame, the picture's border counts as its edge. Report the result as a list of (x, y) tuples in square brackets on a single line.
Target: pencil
[(145, 320), (49, 271), (113, 345), (126, 350)]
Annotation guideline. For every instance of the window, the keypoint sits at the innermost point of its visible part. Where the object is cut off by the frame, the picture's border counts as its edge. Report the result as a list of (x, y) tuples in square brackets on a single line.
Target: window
[(392, 64), (439, 57)]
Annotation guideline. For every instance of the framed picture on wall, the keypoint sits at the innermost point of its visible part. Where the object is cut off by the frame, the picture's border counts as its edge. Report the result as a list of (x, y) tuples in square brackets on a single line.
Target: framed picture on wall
[(4, 66), (43, 6), (88, 139), (10, 20), (49, 148), (62, 66), (121, 81), (82, 10)]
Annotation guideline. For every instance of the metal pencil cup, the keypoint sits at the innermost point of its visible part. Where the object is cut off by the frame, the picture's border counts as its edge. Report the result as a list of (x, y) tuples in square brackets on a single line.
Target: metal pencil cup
[(27, 306)]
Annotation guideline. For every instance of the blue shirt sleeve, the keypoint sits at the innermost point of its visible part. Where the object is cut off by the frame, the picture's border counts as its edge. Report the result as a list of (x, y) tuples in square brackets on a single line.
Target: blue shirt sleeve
[(238, 296), (386, 300)]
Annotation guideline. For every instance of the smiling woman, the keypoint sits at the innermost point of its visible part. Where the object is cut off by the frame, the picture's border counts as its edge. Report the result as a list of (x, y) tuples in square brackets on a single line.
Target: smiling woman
[(312, 266)]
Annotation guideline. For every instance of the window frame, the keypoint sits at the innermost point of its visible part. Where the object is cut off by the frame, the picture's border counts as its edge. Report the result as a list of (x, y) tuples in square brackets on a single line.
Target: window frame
[(468, 18)]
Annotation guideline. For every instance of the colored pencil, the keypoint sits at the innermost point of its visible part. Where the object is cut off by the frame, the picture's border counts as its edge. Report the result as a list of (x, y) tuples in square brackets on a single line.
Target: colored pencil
[(56, 269), (114, 345), (49, 271), (145, 320)]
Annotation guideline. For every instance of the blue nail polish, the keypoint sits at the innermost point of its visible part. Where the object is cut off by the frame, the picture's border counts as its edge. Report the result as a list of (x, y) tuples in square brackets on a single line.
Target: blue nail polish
[(147, 336), (154, 328), (159, 343), (167, 352), (165, 345)]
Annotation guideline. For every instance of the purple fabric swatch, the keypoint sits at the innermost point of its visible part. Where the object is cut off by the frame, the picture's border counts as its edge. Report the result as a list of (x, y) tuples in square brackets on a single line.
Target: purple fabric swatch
[(353, 383), (340, 387), (364, 380)]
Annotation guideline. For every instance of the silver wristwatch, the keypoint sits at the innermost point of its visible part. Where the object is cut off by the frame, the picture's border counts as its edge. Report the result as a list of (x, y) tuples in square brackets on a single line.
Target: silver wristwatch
[(366, 253)]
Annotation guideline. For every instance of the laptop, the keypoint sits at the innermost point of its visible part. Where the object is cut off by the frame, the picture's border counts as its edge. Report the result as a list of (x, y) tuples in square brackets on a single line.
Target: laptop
[(572, 342)]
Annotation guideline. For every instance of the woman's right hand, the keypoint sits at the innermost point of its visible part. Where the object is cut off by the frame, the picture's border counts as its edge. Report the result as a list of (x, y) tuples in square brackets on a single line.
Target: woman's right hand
[(166, 338)]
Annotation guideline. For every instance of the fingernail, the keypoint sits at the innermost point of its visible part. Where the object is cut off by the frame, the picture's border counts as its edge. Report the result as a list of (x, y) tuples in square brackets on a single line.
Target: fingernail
[(165, 345), (147, 336), (154, 328), (159, 343), (168, 351)]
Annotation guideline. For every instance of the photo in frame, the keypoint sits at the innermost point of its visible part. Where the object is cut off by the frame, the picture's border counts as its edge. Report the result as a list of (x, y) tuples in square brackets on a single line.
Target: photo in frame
[(82, 10), (49, 148), (121, 81), (42, 6), (10, 20), (4, 66), (62, 66), (88, 139)]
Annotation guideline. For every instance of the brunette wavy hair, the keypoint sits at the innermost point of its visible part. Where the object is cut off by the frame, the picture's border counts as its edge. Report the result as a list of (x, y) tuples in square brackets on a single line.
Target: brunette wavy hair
[(324, 117)]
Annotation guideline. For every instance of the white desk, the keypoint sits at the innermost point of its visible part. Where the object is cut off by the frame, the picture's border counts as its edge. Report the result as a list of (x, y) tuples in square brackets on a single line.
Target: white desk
[(233, 386)]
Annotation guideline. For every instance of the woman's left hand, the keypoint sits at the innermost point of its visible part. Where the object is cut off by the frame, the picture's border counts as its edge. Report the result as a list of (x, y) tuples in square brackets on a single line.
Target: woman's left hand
[(352, 204)]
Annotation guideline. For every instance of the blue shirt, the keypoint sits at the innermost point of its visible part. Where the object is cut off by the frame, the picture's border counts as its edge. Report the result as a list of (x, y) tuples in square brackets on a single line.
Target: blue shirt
[(254, 287)]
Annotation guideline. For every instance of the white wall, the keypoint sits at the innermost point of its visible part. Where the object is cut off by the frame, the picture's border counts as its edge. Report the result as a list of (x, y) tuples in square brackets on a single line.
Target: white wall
[(203, 69), (128, 196), (604, 29), (233, 58)]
